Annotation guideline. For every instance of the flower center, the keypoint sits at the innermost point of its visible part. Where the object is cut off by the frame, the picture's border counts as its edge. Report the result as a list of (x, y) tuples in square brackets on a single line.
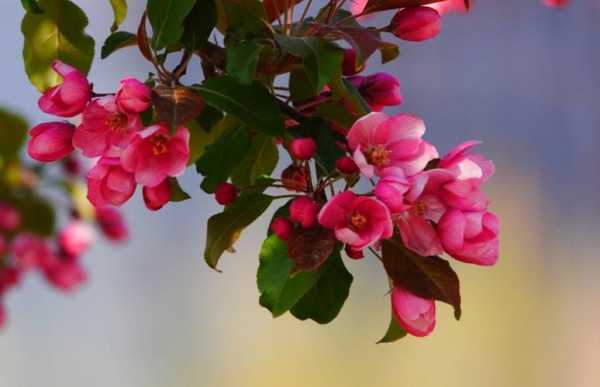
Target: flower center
[(358, 220), (419, 208), (378, 156), (159, 144), (117, 122)]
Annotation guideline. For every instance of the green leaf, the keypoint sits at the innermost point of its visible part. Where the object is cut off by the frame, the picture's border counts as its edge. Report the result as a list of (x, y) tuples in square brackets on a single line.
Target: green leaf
[(199, 24), (336, 112), (120, 11), (278, 291), (177, 193), (224, 229), (116, 41), (322, 59), (37, 214), (166, 18), (242, 60), (235, 13), (200, 138), (427, 277), (13, 131), (31, 6), (389, 52), (222, 157), (394, 332), (261, 159), (310, 248), (58, 33), (300, 85), (325, 300), (252, 104)]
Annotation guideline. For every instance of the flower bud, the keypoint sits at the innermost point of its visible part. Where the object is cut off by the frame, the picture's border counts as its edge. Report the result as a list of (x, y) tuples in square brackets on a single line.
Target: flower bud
[(51, 141), (556, 3), (303, 148), (414, 314), (133, 96), (304, 211), (112, 224), (156, 197), (66, 275), (76, 238), (379, 90), (2, 315), (346, 165), (416, 23), (9, 277), (10, 219), (70, 97), (354, 253), (294, 178), (30, 251), (282, 228), (226, 193), (109, 184), (349, 66)]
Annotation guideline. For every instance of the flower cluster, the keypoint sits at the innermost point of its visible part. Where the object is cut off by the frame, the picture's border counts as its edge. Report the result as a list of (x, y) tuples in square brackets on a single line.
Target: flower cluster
[(111, 131)]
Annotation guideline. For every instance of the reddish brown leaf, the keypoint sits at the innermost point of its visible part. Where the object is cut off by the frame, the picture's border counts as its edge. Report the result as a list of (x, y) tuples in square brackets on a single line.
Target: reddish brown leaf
[(177, 105), (310, 248), (274, 8), (142, 39), (427, 277)]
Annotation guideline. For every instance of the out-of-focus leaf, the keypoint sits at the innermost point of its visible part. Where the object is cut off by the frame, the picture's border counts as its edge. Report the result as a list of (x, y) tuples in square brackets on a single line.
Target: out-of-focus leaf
[(233, 13), (116, 41), (120, 11), (301, 88), (389, 51), (37, 214), (199, 24), (261, 159), (224, 229), (394, 332), (427, 277), (57, 33), (242, 60), (167, 20), (13, 132)]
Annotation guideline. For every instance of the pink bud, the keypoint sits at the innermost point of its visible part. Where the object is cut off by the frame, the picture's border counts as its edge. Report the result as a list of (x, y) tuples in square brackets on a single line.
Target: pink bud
[(556, 3), (349, 65), (354, 253), (416, 23), (9, 277), (30, 251), (51, 141), (70, 97), (282, 228), (76, 238), (294, 178), (66, 275), (156, 197), (379, 90), (346, 165), (304, 211), (226, 193), (10, 219), (303, 148), (112, 224), (133, 96), (2, 315), (414, 314)]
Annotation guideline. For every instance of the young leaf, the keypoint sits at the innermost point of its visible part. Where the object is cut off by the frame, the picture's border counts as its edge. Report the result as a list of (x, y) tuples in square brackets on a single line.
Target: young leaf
[(394, 332), (278, 291), (252, 104), (200, 138), (242, 60), (261, 159), (58, 33), (177, 193), (120, 11), (389, 52), (166, 18), (13, 131), (325, 300), (427, 277), (310, 248), (224, 229), (177, 105), (116, 41), (322, 59), (198, 24)]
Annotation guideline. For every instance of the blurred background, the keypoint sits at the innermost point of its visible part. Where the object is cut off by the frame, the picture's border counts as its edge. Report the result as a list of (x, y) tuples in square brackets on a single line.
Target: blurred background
[(521, 77)]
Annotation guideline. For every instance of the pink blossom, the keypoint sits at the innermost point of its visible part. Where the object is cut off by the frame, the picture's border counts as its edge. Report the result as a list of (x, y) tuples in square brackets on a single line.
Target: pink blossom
[(470, 237), (30, 251), (153, 154), (466, 165), (112, 224), (304, 211), (464, 195), (51, 141), (76, 238), (358, 6), (303, 148), (109, 184), (226, 193), (416, 23), (10, 218), (414, 314), (379, 90), (133, 96), (2, 315), (391, 187), (105, 129), (282, 228), (379, 141), (359, 221), (66, 275), (70, 97), (156, 197)]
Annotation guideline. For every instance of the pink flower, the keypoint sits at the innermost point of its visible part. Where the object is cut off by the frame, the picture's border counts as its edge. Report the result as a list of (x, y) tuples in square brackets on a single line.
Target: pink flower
[(357, 6), (112, 224), (30, 251), (466, 165), (379, 90), (109, 184), (379, 141), (346, 165), (133, 96), (359, 221), (226, 193), (66, 275), (303, 148), (156, 197), (69, 98), (10, 219), (2, 315), (282, 228), (414, 314), (470, 237), (464, 195), (50, 141), (304, 211), (390, 189), (153, 154), (416, 23), (76, 238), (105, 129)]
